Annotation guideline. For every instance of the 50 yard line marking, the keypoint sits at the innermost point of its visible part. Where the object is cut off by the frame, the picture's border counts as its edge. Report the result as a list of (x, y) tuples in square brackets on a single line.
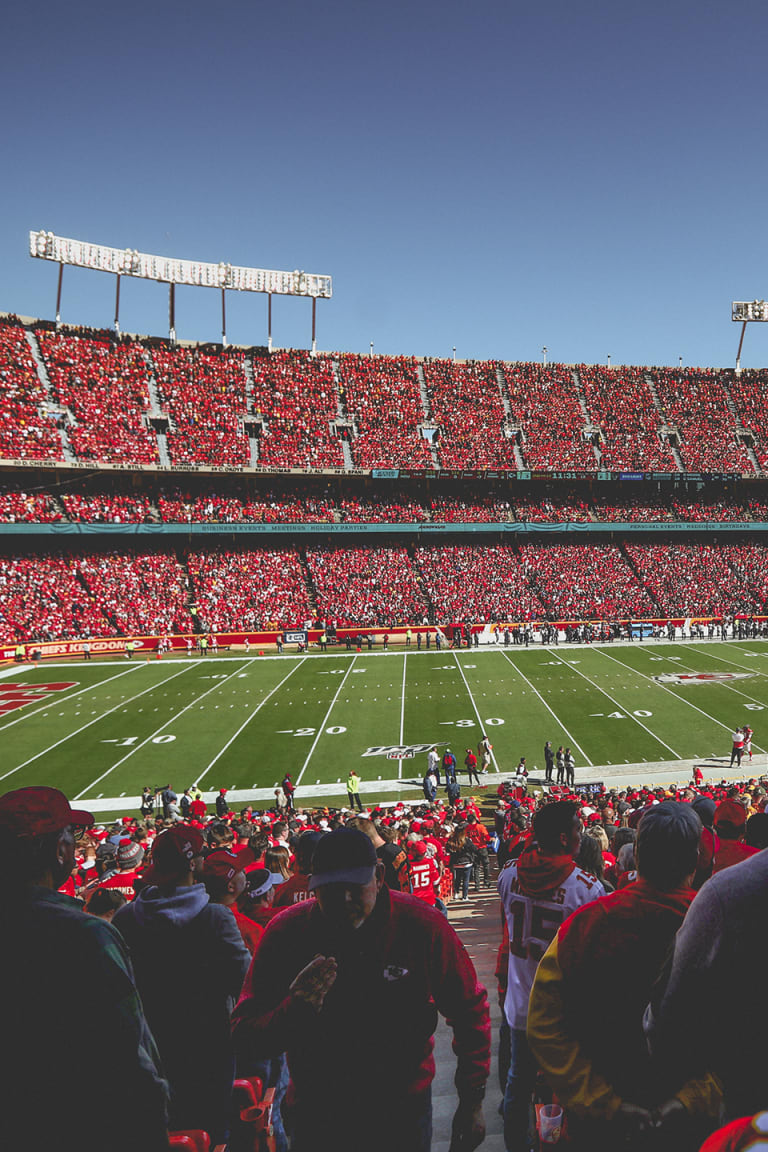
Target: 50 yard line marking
[(247, 722), (197, 699), (325, 721), (682, 699), (550, 710), (96, 719), (616, 704), (472, 702)]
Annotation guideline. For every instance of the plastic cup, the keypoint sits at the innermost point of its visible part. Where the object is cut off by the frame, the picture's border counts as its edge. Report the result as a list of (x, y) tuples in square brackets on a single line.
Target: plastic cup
[(550, 1123)]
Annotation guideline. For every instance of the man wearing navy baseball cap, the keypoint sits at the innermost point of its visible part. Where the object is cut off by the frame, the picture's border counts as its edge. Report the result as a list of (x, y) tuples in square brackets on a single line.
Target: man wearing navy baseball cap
[(350, 985), (65, 977)]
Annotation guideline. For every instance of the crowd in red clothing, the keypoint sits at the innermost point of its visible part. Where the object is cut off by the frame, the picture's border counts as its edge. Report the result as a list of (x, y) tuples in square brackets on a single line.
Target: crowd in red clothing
[(204, 397), (545, 401), (381, 395), (142, 594), (591, 581), (106, 509), (296, 396), (184, 508), (250, 589), (24, 431), (29, 507), (367, 586), (465, 401), (103, 382), (42, 598), (748, 391), (466, 583), (691, 579), (696, 403), (620, 402)]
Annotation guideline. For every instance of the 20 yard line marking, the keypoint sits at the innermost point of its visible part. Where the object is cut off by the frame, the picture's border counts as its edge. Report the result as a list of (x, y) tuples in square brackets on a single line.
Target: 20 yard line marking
[(247, 722), (402, 718), (325, 721), (101, 716), (214, 688), (554, 714), (616, 704), (472, 702)]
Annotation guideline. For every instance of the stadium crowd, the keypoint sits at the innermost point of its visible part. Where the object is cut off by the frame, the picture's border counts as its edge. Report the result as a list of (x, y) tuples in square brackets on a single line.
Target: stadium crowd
[(249, 589), (598, 888), (381, 395)]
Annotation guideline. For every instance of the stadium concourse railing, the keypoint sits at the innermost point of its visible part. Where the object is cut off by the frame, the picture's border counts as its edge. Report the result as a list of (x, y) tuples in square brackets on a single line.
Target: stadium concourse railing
[(260, 643)]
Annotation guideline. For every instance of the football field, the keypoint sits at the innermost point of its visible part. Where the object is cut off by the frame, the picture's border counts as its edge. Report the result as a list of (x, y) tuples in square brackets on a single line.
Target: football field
[(100, 731)]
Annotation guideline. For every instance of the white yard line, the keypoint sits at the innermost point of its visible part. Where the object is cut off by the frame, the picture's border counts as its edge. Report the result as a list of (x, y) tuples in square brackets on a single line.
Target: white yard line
[(65, 699), (616, 704), (247, 722), (472, 701), (197, 699), (402, 718), (96, 719), (321, 729), (550, 710), (682, 699)]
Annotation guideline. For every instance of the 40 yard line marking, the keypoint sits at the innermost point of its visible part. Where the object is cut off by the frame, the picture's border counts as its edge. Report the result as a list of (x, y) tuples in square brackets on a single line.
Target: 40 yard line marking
[(96, 719), (682, 699), (616, 704), (472, 702), (325, 721), (247, 722), (554, 714), (197, 699)]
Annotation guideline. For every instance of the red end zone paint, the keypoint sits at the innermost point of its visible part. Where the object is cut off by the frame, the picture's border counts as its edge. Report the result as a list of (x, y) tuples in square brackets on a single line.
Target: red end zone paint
[(14, 696), (701, 677)]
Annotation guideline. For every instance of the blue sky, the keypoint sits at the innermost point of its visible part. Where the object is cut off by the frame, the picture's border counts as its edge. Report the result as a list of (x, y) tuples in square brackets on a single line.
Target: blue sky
[(582, 174)]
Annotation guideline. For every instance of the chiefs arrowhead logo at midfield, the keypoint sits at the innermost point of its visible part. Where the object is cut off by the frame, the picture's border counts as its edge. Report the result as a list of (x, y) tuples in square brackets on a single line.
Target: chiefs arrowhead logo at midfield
[(14, 696), (701, 677)]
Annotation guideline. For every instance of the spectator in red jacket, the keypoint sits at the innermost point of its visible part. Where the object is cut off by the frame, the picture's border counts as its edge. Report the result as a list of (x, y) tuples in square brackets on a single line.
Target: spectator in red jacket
[(359, 950)]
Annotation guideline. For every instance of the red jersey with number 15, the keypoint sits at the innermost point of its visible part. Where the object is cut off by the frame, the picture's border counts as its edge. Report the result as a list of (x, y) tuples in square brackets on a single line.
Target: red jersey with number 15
[(424, 876), (538, 892)]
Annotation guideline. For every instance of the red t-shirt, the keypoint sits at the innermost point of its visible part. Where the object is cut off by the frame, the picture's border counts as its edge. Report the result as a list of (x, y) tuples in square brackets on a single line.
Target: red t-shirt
[(295, 889), (250, 931)]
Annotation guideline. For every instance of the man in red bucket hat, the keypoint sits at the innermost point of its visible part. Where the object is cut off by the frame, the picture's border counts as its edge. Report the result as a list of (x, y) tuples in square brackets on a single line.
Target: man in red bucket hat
[(65, 977)]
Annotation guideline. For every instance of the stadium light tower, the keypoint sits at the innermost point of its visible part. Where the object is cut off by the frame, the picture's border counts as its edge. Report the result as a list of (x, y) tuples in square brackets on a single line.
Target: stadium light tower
[(171, 271), (746, 312)]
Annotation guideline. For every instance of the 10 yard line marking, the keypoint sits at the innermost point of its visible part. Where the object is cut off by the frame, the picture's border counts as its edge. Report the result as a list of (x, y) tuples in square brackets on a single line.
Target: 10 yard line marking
[(682, 699), (325, 721), (616, 704), (152, 735), (247, 722), (472, 702), (96, 720), (557, 718)]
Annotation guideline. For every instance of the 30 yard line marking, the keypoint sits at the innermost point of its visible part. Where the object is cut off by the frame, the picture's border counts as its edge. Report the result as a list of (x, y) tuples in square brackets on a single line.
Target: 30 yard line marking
[(214, 688), (247, 722), (101, 716), (616, 704), (325, 721), (472, 702), (36, 711), (554, 714), (665, 688)]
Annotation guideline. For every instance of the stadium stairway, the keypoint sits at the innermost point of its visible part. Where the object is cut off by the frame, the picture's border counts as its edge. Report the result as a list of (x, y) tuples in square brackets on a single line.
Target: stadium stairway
[(478, 925)]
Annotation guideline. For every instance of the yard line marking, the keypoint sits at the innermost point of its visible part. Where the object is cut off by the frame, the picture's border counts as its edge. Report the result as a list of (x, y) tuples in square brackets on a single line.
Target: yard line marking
[(664, 687), (472, 702), (402, 718), (37, 711), (325, 721), (551, 712), (214, 688), (101, 716), (248, 720), (658, 739)]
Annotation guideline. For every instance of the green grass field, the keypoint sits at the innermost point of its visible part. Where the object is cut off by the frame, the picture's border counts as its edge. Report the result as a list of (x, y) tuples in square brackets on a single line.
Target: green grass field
[(242, 722)]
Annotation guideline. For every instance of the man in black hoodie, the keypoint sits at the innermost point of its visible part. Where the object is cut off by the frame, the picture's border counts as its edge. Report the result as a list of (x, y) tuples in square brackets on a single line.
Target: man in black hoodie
[(190, 961)]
